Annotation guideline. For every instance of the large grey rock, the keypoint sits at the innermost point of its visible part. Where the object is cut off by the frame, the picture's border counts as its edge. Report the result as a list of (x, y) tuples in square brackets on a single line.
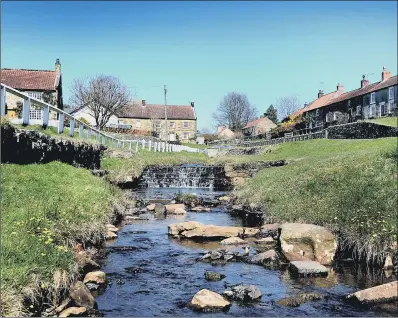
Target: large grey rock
[(160, 208), (307, 242), (265, 241), (233, 241), (244, 293), (81, 295), (213, 276), (299, 299), (307, 268), (170, 208), (379, 294), (97, 277), (207, 300), (269, 257)]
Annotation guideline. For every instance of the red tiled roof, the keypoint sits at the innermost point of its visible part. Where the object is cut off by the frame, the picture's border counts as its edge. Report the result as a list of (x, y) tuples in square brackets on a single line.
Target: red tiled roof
[(259, 120), (298, 112), (335, 97), (366, 90), (152, 111), (30, 79)]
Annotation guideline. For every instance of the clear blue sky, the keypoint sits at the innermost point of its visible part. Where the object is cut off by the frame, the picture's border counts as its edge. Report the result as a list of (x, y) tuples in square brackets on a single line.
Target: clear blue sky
[(203, 50)]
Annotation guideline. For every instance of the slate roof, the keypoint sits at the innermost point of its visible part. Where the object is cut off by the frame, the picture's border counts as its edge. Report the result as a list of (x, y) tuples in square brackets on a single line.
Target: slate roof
[(152, 111), (34, 80)]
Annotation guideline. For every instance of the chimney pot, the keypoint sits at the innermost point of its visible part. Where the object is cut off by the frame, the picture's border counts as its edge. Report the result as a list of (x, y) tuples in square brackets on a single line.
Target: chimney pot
[(57, 65), (320, 93), (143, 102), (386, 74), (340, 88), (364, 82), (193, 104)]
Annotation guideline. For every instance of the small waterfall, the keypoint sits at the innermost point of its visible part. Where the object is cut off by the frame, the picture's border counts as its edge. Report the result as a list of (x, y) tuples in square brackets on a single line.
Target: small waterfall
[(185, 176)]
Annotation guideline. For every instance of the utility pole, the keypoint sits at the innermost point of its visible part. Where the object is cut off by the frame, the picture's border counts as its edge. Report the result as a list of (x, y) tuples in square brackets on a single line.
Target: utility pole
[(165, 112)]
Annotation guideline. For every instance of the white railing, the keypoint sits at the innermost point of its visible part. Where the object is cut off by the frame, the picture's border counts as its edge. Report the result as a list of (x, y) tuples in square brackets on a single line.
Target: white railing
[(31, 116)]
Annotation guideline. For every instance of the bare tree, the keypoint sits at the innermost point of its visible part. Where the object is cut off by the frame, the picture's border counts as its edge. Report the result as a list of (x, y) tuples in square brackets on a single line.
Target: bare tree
[(287, 105), (103, 95), (234, 111)]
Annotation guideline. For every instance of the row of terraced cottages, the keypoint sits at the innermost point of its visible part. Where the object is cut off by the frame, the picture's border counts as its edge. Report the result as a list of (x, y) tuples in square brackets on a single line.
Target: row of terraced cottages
[(369, 101)]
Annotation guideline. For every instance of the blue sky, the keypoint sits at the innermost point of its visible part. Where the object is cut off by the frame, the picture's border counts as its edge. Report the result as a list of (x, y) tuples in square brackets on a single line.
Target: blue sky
[(203, 50)]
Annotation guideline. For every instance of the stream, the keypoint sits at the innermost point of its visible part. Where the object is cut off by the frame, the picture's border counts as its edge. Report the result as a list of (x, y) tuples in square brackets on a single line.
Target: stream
[(160, 275)]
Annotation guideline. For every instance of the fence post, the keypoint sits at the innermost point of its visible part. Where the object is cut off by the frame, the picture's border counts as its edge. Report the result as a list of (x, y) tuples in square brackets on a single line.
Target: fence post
[(3, 101), (155, 146), (143, 144), (46, 115), (326, 133), (103, 140), (72, 127), (98, 137), (61, 118), (26, 111), (130, 146), (149, 145), (81, 131), (136, 146), (163, 146), (110, 142)]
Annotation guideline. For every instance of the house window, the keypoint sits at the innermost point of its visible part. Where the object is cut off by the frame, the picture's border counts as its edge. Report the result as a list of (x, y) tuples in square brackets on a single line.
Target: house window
[(372, 111), (35, 114), (137, 124), (334, 116), (317, 112), (172, 124), (359, 110), (186, 135), (158, 124), (373, 98), (382, 109), (391, 93), (390, 107), (186, 124), (36, 95)]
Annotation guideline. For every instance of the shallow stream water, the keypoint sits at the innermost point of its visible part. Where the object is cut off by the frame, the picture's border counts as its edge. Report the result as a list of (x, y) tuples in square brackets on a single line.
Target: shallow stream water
[(160, 275)]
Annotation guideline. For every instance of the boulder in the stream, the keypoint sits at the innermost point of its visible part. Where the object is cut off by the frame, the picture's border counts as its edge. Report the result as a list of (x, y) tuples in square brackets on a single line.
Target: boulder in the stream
[(73, 312), (244, 293), (378, 294), (299, 299), (307, 242), (81, 296), (266, 241), (179, 211), (233, 241), (207, 300), (159, 208), (86, 263), (112, 228), (97, 277), (110, 235), (177, 228), (170, 208), (151, 207), (200, 209), (307, 269), (266, 258), (214, 276)]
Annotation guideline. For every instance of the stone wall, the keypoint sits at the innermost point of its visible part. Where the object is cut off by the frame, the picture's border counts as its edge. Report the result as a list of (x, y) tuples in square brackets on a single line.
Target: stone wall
[(361, 130), (24, 147)]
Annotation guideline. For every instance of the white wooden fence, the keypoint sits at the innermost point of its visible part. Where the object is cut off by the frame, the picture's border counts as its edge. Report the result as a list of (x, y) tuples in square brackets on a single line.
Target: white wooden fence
[(41, 117)]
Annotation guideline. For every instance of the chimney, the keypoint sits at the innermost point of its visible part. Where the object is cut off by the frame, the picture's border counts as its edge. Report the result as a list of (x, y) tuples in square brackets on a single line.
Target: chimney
[(364, 82), (320, 93), (385, 75), (340, 88), (193, 104), (143, 102), (305, 105), (57, 66)]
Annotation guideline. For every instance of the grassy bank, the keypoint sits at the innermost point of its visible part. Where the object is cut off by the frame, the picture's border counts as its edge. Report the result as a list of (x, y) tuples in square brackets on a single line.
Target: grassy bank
[(348, 185), (387, 121), (45, 209)]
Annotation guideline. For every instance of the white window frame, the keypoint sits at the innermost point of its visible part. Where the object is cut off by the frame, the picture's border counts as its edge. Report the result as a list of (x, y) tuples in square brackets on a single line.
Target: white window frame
[(138, 124), (391, 92), (172, 124), (380, 105), (327, 117), (372, 98), (186, 124), (390, 106), (37, 95), (358, 110), (185, 135), (372, 110), (334, 116), (36, 114)]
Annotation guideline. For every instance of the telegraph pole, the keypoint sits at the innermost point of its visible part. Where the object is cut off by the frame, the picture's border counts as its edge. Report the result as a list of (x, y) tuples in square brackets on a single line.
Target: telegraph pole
[(165, 112)]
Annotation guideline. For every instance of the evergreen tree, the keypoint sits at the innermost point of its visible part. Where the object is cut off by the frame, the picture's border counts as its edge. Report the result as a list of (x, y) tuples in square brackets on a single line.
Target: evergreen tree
[(272, 114)]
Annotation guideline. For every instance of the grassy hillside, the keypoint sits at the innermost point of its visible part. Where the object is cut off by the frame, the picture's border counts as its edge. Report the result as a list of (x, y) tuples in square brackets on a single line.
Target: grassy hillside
[(388, 121), (45, 208), (349, 185)]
